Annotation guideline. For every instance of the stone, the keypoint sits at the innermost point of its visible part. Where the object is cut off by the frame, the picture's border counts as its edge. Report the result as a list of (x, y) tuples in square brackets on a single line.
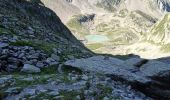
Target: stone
[(40, 65), (155, 69), (106, 98), (3, 45), (53, 93), (30, 69), (78, 97), (5, 81), (55, 57), (29, 92), (58, 97), (21, 55), (13, 90), (100, 64), (51, 61), (11, 68), (28, 79), (85, 77), (137, 62)]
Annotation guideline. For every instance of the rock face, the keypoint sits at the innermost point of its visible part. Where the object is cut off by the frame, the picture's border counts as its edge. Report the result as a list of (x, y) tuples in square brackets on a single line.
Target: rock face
[(151, 77)]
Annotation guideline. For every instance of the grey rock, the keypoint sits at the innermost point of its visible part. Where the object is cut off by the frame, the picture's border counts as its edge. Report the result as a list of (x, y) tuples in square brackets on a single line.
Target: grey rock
[(54, 93), (3, 45), (58, 97), (40, 65), (11, 68), (51, 61), (137, 62), (28, 79), (106, 98), (85, 77), (155, 69), (13, 90), (34, 56), (21, 55), (78, 97), (5, 81), (29, 92), (30, 69), (55, 57)]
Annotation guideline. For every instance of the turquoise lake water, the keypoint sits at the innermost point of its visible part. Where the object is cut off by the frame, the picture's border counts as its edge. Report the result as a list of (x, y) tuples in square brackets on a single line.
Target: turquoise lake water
[(96, 38)]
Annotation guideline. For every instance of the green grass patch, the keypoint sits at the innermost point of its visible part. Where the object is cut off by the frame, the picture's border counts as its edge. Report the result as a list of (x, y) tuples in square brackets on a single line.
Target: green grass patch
[(69, 95), (5, 31), (105, 90), (123, 13), (102, 27), (42, 96), (122, 36), (95, 46), (166, 48), (21, 43), (40, 45), (75, 25)]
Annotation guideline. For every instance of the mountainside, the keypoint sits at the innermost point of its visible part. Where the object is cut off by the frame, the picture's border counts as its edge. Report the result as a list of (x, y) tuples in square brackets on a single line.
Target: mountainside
[(31, 24), (155, 8), (42, 59), (160, 32), (112, 25)]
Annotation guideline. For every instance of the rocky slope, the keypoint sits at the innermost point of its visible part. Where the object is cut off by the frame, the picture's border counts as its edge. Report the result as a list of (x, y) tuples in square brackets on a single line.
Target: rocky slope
[(25, 37), (41, 59)]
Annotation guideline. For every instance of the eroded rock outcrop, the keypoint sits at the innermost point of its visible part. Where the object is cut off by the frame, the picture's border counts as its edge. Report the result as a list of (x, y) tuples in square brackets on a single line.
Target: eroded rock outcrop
[(151, 77)]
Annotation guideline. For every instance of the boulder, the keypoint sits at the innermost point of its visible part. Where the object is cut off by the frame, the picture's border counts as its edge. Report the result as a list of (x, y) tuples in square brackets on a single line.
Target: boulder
[(3, 45), (55, 57), (30, 69), (137, 62), (151, 77), (96, 63)]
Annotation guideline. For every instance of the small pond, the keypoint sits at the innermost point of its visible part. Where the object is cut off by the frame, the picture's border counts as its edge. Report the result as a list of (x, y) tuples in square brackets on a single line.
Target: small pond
[(96, 38)]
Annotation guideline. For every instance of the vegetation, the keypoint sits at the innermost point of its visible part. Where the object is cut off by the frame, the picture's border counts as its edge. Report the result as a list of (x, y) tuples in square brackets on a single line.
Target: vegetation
[(122, 36), (69, 95), (5, 31), (107, 6), (105, 90), (123, 13), (40, 45), (75, 25), (94, 46), (166, 48)]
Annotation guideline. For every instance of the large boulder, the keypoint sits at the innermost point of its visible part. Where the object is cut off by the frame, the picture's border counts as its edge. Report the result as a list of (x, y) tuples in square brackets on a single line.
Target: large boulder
[(30, 69), (151, 77), (96, 63)]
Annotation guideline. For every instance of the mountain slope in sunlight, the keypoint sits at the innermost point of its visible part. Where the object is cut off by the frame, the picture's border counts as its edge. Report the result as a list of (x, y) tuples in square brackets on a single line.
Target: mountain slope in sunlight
[(160, 32)]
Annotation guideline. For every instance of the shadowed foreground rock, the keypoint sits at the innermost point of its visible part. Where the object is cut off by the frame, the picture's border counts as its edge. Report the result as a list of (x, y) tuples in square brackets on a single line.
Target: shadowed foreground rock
[(151, 77)]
